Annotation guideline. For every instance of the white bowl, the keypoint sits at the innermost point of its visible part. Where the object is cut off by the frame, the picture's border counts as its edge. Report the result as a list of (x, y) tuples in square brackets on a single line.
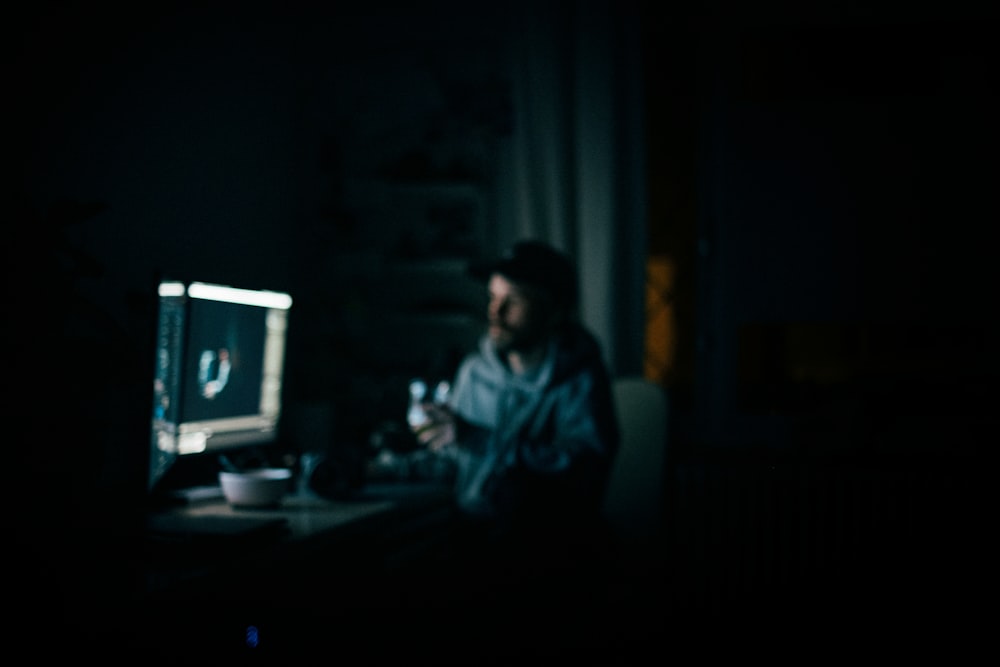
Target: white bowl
[(263, 487)]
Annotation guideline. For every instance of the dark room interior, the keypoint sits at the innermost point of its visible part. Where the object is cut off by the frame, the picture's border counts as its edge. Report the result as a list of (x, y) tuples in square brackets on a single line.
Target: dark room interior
[(798, 248)]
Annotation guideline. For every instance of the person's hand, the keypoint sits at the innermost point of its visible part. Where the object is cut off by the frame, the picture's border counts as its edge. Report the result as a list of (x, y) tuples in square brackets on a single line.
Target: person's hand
[(440, 428)]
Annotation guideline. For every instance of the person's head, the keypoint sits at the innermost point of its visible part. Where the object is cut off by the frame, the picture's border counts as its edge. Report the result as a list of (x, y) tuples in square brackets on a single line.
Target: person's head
[(532, 293)]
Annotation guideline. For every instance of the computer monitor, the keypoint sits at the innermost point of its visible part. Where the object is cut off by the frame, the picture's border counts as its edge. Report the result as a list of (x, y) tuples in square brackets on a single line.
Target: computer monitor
[(219, 371)]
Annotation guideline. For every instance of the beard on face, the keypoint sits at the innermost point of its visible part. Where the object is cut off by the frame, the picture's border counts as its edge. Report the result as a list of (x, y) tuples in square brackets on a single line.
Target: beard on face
[(506, 339)]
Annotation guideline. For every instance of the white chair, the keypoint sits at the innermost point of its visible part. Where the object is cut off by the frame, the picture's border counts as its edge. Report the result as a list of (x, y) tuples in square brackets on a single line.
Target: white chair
[(633, 504)]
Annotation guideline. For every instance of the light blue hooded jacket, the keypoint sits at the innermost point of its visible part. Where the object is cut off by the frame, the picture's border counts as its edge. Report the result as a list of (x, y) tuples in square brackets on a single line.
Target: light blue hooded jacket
[(537, 443)]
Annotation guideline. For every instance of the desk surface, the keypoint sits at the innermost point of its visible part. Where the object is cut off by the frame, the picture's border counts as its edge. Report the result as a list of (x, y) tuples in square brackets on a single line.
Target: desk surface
[(193, 540), (305, 516)]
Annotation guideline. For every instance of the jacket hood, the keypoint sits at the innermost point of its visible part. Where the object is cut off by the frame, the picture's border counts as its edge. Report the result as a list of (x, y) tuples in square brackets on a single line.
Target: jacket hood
[(571, 350)]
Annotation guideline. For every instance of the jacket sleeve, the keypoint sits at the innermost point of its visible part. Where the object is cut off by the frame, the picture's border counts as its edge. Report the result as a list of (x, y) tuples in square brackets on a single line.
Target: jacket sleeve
[(473, 413), (576, 429), (563, 459)]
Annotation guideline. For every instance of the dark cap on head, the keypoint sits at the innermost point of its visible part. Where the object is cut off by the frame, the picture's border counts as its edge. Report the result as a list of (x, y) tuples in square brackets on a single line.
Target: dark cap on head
[(535, 264)]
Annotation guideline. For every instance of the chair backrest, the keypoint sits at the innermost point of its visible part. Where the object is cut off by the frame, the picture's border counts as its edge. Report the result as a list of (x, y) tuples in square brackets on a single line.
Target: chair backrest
[(634, 499)]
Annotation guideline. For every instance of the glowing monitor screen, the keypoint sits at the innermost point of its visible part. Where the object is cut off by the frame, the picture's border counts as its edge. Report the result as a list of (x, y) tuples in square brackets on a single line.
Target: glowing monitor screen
[(220, 355)]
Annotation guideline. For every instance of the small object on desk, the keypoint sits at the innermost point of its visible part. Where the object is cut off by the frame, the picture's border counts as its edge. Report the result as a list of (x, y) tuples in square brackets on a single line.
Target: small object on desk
[(197, 494), (264, 487), (415, 415)]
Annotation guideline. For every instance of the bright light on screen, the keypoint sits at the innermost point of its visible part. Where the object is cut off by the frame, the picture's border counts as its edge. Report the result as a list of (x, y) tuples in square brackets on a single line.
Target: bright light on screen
[(233, 295), (219, 369)]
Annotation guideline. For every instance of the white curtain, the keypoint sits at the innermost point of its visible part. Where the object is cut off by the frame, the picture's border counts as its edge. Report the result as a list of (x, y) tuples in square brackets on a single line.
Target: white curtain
[(572, 168)]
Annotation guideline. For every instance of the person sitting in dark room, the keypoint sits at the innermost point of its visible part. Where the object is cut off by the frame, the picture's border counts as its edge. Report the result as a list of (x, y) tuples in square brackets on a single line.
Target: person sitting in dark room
[(529, 423)]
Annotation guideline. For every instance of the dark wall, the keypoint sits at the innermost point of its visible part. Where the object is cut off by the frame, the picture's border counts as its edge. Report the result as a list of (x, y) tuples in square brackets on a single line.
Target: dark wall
[(822, 178), (824, 185)]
